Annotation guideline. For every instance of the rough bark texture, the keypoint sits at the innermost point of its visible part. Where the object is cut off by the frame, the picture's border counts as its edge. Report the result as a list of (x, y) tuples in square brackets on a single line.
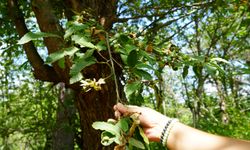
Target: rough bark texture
[(48, 22), (96, 105), (93, 105)]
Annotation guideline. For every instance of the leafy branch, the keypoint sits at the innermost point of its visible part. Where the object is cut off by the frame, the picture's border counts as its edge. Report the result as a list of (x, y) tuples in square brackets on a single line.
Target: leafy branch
[(125, 132), (143, 60)]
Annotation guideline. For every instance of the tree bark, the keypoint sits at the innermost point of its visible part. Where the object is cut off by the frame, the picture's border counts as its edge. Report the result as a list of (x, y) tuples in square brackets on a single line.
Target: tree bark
[(41, 71), (96, 105), (48, 22), (93, 105)]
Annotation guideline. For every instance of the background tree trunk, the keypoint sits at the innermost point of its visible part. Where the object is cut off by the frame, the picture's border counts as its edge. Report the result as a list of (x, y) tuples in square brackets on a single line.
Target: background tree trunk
[(93, 105), (63, 134)]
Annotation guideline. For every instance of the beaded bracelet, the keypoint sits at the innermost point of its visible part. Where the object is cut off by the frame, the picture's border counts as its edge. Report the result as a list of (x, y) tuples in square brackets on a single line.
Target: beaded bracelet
[(166, 130)]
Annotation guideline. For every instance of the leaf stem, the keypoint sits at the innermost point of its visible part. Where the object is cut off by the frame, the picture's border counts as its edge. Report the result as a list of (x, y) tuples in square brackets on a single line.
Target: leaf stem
[(113, 69)]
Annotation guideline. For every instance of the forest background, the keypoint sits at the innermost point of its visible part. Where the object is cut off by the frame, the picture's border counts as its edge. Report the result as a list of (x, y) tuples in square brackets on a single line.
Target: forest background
[(186, 59)]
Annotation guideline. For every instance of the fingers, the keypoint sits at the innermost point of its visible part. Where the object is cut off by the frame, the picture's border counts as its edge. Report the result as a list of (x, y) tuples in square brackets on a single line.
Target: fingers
[(117, 114), (125, 110), (121, 108)]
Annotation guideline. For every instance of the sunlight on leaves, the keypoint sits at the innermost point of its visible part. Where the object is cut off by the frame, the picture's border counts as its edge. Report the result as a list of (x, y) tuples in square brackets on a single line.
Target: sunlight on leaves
[(34, 36)]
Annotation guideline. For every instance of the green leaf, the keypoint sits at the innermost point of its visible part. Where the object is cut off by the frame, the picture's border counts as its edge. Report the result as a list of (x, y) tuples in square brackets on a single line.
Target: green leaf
[(81, 64), (104, 126), (34, 36), (212, 70), (107, 138), (132, 58), (130, 88), (242, 71), (73, 28), (220, 60), (68, 32), (147, 56), (136, 143), (136, 98), (218, 68), (88, 53), (101, 46), (55, 56), (76, 78), (83, 41), (143, 66), (83, 61), (145, 138), (124, 58), (197, 59), (129, 48), (61, 63), (123, 39), (142, 74), (112, 121), (70, 51), (123, 124)]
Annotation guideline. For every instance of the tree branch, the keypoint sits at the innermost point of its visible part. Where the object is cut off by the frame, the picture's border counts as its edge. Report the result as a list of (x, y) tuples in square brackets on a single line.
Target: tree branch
[(48, 22), (214, 38), (41, 71), (158, 8), (161, 15), (177, 32)]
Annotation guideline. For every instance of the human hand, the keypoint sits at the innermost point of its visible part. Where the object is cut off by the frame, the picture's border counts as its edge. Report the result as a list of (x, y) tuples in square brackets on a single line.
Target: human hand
[(151, 121)]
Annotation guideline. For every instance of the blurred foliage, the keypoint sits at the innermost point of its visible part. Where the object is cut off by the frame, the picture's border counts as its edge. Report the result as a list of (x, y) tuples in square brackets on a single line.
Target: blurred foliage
[(27, 106), (27, 118)]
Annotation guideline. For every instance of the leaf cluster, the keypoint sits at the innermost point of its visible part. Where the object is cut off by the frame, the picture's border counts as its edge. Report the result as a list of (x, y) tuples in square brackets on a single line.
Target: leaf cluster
[(125, 132)]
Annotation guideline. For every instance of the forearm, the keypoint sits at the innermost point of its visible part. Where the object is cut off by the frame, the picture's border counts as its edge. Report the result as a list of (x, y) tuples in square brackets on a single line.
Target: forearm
[(183, 137), (179, 136)]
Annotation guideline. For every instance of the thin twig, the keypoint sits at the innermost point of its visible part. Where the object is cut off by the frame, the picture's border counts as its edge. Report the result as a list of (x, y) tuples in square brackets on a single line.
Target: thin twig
[(113, 69), (101, 55), (106, 63), (118, 63)]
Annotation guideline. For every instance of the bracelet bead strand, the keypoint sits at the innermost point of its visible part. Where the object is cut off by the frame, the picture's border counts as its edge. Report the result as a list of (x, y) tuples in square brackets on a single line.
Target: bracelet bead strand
[(164, 131), (174, 121), (167, 130)]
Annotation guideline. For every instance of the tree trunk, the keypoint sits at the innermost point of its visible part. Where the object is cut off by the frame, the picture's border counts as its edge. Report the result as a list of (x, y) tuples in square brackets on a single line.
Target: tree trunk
[(63, 134), (93, 105), (96, 105)]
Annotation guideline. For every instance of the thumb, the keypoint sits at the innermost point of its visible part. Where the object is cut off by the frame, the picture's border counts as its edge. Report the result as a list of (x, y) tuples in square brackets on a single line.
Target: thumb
[(125, 109)]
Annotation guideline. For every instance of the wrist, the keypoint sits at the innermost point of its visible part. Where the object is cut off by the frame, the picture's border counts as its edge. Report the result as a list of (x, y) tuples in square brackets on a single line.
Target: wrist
[(174, 136), (156, 132), (167, 130)]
